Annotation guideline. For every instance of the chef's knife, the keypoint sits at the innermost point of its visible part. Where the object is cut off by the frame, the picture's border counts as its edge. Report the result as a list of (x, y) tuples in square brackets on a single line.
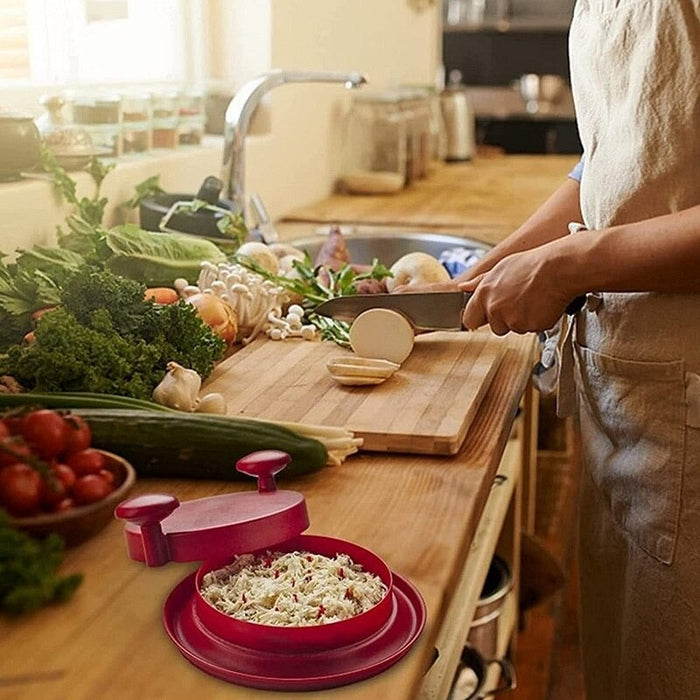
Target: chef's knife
[(426, 311)]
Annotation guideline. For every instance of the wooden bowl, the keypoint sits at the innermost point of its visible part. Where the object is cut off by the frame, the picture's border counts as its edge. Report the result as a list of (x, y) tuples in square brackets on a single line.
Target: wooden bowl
[(82, 522)]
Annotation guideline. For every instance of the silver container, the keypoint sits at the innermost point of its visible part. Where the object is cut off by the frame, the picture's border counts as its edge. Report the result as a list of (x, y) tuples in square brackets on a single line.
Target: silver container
[(458, 116), (483, 633)]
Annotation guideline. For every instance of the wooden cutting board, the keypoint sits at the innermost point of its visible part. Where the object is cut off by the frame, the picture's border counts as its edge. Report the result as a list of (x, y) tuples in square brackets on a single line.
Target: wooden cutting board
[(426, 407)]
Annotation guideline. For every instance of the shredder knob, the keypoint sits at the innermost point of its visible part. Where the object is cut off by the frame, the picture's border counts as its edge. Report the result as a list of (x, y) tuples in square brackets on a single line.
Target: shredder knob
[(147, 512), (263, 465)]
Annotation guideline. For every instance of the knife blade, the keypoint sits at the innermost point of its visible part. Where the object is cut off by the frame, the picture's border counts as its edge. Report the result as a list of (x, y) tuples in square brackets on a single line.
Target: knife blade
[(426, 311)]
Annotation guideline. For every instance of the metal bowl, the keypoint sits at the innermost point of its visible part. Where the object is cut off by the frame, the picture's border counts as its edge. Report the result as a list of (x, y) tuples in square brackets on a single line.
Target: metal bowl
[(388, 246)]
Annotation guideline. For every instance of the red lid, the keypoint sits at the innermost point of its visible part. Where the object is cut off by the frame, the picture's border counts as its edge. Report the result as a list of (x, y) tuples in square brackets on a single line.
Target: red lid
[(160, 529)]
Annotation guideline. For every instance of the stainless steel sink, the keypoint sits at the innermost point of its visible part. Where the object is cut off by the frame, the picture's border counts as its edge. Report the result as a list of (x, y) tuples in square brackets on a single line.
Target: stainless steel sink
[(388, 245)]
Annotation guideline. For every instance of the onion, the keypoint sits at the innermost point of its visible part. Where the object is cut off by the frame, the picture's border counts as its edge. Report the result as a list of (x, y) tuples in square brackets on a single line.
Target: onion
[(217, 314)]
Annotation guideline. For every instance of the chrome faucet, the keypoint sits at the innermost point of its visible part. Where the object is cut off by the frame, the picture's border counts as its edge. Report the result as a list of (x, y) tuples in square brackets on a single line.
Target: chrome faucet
[(240, 110)]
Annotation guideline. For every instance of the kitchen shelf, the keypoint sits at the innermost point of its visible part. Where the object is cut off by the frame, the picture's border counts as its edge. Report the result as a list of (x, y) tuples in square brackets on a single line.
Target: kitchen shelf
[(498, 530), (513, 25)]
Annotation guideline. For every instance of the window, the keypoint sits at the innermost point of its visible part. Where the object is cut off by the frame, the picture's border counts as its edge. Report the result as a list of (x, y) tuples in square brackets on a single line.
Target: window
[(106, 43)]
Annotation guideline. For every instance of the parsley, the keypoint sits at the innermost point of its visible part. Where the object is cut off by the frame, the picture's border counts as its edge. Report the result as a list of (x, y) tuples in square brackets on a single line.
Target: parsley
[(28, 576)]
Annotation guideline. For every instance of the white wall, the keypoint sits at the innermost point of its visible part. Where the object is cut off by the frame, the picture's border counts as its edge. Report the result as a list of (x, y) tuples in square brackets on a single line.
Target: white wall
[(388, 40)]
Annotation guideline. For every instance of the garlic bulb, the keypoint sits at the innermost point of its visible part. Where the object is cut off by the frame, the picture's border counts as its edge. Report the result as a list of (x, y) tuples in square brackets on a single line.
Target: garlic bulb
[(212, 403), (179, 388)]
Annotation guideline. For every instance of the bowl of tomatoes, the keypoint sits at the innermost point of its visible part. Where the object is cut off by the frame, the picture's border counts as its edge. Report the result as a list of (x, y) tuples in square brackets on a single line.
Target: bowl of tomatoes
[(53, 481)]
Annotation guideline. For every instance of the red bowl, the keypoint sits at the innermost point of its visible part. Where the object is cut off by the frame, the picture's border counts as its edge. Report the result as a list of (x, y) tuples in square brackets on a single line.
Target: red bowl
[(274, 638)]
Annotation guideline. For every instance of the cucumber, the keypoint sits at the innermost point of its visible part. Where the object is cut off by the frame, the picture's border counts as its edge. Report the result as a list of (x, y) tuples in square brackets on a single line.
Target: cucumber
[(196, 446)]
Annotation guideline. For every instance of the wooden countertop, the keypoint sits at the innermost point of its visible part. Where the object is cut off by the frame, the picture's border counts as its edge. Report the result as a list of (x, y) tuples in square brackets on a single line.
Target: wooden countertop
[(417, 512), (486, 198)]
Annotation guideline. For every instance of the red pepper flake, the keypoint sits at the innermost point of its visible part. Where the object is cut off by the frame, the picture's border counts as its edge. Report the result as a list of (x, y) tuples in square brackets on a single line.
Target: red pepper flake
[(349, 595), (243, 598), (277, 573), (321, 611), (309, 557), (341, 573), (294, 595)]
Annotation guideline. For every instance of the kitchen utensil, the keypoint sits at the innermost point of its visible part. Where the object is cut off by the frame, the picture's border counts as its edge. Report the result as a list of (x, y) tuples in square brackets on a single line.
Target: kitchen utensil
[(20, 143), (160, 529), (202, 222), (295, 671), (427, 407), (79, 523), (425, 311), (458, 114)]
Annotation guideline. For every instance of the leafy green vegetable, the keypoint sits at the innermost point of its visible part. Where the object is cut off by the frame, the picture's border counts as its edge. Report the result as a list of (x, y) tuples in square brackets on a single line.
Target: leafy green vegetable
[(159, 258), (28, 576), (150, 187), (105, 338)]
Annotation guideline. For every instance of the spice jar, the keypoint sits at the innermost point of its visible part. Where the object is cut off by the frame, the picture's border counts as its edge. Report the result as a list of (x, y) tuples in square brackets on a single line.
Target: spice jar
[(192, 118), (101, 117), (136, 123), (374, 159), (164, 119)]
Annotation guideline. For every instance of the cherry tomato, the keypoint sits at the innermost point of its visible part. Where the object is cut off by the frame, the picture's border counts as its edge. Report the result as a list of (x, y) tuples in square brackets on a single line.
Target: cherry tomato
[(64, 473), (16, 449), (78, 435), (20, 489), (90, 488), (13, 422), (45, 432), (88, 461), (65, 504), (53, 491), (107, 475)]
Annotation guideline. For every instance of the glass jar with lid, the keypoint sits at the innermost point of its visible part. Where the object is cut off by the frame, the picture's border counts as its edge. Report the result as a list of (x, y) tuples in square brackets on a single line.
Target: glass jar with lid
[(101, 116), (136, 123), (71, 145), (374, 160), (415, 106), (192, 117), (165, 119)]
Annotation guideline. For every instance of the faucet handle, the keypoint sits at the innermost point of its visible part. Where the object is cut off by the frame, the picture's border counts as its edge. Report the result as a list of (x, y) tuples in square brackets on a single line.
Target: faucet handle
[(263, 223)]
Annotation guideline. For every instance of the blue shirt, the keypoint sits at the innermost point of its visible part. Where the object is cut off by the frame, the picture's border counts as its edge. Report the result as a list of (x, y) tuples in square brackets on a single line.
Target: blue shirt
[(577, 172)]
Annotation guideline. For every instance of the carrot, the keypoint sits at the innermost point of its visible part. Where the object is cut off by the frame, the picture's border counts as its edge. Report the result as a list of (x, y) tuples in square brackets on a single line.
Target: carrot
[(162, 295)]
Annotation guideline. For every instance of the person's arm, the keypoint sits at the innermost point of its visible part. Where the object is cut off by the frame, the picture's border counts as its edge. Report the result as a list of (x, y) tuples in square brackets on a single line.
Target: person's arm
[(529, 291), (548, 223)]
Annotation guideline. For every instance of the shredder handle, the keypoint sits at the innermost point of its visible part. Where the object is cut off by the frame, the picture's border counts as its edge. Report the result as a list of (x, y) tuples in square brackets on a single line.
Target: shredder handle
[(147, 512)]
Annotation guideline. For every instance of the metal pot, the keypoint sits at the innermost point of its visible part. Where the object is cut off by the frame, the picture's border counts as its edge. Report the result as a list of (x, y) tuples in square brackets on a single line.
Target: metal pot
[(483, 633), (20, 143), (458, 116), (471, 676)]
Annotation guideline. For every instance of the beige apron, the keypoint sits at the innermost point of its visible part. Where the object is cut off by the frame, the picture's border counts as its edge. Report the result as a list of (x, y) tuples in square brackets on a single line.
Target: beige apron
[(636, 357)]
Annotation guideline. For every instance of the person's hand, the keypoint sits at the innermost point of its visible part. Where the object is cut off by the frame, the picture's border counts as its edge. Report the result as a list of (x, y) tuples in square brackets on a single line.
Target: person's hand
[(518, 294)]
